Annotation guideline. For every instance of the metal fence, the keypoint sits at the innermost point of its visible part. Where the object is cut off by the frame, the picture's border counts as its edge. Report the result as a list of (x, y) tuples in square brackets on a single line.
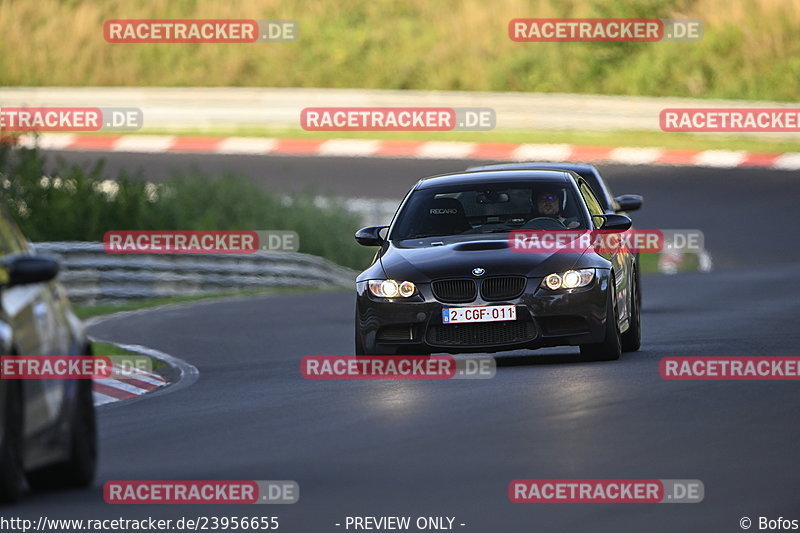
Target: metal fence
[(215, 108), (90, 275)]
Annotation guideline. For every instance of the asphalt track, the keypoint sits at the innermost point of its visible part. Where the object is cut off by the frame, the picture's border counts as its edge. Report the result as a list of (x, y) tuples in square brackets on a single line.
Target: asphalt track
[(451, 448)]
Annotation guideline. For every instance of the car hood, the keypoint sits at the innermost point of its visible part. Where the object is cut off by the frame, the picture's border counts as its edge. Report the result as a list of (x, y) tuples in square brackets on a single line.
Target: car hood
[(419, 260)]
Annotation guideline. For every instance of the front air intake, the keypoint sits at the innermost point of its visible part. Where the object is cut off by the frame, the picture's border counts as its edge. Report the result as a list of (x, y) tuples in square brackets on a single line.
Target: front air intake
[(502, 287), (454, 290)]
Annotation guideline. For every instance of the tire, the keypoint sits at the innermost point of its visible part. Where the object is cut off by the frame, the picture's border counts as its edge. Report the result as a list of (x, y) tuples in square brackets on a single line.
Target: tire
[(632, 339), (78, 470), (611, 348), (359, 345), (12, 472)]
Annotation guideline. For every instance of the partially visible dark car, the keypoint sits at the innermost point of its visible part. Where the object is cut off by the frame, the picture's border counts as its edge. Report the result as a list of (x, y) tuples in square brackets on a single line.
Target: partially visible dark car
[(48, 433), (445, 278), (610, 203)]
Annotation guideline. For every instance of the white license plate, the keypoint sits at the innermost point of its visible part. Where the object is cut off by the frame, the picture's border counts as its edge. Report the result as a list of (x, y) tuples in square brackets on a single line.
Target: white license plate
[(489, 313)]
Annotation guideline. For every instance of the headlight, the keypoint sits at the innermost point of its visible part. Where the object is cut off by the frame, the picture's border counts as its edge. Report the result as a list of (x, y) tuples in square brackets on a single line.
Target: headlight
[(389, 288), (571, 279), (407, 289)]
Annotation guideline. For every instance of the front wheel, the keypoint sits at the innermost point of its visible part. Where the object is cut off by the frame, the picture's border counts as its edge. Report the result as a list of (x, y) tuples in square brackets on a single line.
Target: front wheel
[(78, 470), (359, 340), (360, 350), (12, 473), (632, 339), (611, 348)]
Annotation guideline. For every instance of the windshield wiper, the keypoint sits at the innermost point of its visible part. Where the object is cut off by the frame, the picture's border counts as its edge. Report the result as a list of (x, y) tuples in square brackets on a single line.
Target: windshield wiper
[(425, 236)]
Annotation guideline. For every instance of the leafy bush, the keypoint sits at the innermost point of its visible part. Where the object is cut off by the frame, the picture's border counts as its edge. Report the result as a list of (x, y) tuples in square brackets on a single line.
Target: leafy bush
[(71, 203)]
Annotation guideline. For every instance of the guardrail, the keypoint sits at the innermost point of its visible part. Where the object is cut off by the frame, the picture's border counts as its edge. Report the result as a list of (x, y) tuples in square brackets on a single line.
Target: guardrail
[(90, 275), (216, 108)]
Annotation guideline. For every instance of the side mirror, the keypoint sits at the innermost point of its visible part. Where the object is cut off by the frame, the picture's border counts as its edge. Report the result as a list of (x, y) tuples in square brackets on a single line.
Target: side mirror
[(614, 222), (26, 269), (629, 202), (370, 236)]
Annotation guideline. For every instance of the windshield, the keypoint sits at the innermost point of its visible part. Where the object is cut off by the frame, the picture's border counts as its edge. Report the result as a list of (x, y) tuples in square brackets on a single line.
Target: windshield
[(495, 208)]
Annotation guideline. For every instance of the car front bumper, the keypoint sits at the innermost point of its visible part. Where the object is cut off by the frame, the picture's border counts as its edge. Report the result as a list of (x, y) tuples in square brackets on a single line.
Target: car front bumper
[(400, 326)]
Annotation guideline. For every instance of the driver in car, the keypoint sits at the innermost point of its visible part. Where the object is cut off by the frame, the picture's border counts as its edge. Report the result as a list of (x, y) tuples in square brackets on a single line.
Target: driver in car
[(548, 204)]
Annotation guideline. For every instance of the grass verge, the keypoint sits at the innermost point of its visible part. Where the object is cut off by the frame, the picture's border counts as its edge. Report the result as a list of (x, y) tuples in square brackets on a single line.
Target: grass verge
[(648, 263), (748, 49), (88, 311), (109, 349)]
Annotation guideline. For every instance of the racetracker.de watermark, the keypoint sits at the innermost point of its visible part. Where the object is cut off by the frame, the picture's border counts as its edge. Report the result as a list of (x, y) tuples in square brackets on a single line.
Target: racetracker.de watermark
[(703, 368), (398, 119), (199, 242), (606, 241), (199, 31), (734, 120), (73, 366), (72, 119), (604, 30), (397, 367), (201, 492), (606, 491), (54, 367)]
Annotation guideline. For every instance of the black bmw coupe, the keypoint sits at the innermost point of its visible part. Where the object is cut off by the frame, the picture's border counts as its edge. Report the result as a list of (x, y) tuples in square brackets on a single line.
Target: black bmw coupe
[(447, 279)]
